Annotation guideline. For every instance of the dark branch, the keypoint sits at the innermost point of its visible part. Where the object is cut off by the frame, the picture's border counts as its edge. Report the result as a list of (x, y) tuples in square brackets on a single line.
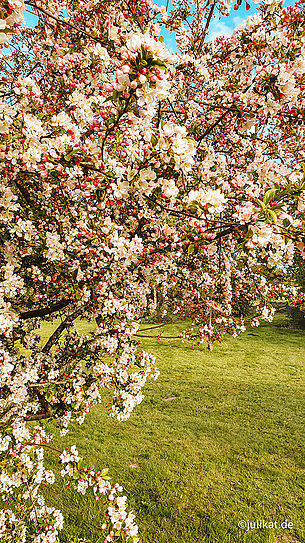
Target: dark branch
[(39, 416), (206, 27), (44, 310), (210, 128), (160, 337), (63, 22), (67, 322), (25, 193)]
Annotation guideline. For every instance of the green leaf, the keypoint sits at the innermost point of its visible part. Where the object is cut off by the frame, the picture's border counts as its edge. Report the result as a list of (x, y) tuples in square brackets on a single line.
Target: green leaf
[(159, 63), (68, 157), (115, 95), (6, 30), (19, 123), (269, 194), (154, 140), (143, 53), (190, 249), (193, 206), (74, 274), (260, 203), (273, 216)]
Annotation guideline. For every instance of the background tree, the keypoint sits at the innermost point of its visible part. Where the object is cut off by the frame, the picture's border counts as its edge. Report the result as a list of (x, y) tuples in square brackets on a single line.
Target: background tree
[(297, 277)]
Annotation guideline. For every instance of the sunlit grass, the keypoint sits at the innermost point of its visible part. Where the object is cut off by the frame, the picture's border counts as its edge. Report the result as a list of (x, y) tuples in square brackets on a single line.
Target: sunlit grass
[(218, 438)]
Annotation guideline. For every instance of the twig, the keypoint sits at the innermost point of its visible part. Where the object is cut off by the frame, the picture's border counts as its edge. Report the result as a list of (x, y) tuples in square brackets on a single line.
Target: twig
[(206, 27), (60, 21)]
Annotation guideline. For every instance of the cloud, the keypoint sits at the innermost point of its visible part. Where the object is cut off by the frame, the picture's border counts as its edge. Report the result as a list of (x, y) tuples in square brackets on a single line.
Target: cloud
[(237, 20), (220, 28), (169, 40)]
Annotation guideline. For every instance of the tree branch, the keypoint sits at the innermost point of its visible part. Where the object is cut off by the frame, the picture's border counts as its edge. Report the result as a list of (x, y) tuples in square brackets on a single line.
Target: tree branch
[(206, 27), (45, 310), (39, 416), (160, 337), (60, 21), (210, 128), (61, 328), (25, 193)]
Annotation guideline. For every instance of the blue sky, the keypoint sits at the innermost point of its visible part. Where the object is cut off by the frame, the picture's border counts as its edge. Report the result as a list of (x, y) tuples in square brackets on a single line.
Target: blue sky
[(219, 26), (226, 25)]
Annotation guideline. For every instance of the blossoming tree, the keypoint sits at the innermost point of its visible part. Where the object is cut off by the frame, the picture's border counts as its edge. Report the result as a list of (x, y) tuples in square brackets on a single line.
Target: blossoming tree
[(126, 168)]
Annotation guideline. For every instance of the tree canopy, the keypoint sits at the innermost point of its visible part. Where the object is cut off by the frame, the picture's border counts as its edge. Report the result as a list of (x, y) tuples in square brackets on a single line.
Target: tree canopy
[(127, 169)]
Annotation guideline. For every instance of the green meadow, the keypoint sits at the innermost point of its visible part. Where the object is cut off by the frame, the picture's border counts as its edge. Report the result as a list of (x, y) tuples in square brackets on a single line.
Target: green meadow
[(218, 439)]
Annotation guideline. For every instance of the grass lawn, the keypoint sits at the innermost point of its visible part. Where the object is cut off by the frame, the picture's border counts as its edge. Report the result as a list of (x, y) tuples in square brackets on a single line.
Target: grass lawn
[(219, 438)]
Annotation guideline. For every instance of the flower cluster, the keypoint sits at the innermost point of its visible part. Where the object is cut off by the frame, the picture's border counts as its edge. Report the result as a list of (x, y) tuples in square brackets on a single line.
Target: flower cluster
[(119, 524), (11, 15)]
